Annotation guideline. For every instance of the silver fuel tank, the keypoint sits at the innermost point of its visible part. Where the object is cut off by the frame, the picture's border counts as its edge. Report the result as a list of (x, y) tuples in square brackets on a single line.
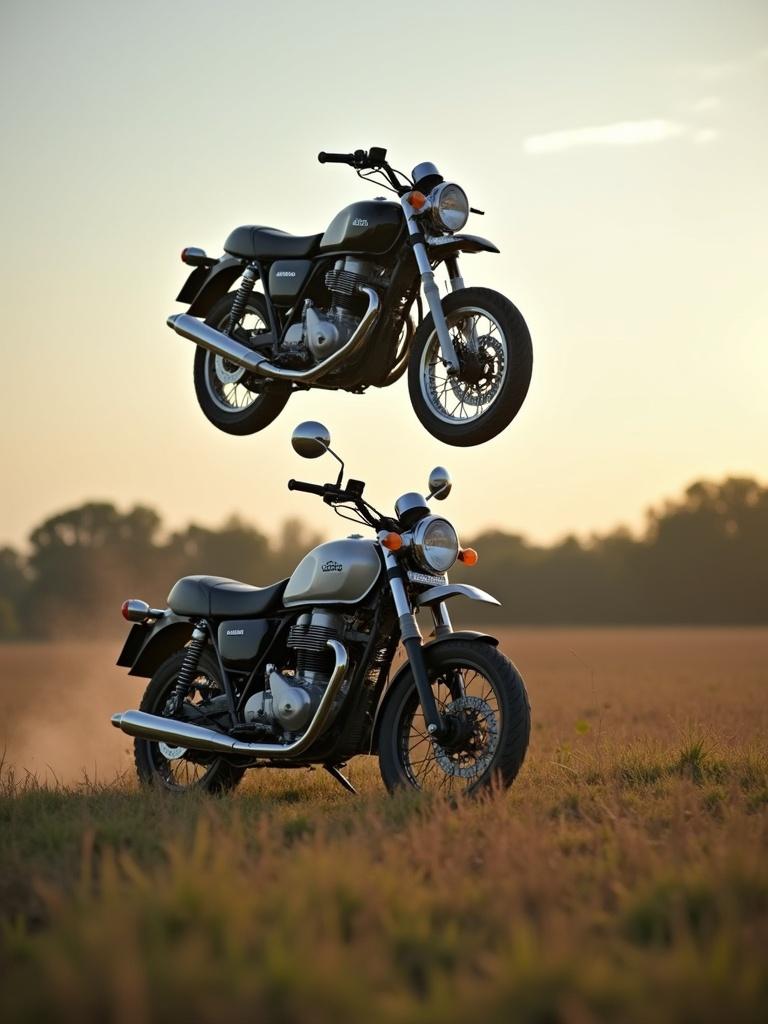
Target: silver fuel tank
[(339, 572)]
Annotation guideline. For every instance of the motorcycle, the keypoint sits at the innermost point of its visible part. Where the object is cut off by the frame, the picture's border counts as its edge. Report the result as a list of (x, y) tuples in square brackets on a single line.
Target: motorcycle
[(296, 674), (336, 312)]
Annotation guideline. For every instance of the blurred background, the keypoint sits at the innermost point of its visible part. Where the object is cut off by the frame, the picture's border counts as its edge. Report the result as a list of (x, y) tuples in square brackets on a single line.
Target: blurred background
[(619, 151)]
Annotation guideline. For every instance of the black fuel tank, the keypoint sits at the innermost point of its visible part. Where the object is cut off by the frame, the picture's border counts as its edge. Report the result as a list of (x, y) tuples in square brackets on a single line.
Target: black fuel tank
[(370, 226)]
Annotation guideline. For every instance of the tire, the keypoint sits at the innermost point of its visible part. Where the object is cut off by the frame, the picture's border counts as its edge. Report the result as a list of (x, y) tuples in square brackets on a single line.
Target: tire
[(211, 774), (501, 376), (269, 397), (512, 721)]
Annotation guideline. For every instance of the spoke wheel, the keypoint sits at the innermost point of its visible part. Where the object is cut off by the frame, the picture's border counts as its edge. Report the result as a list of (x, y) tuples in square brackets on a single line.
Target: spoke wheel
[(482, 350), (470, 704), (232, 387), (176, 768), (495, 357), (482, 699), (234, 399)]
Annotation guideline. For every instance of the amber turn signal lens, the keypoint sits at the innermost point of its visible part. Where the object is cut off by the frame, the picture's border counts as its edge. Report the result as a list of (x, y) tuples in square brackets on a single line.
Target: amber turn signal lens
[(417, 200), (392, 541), (468, 556)]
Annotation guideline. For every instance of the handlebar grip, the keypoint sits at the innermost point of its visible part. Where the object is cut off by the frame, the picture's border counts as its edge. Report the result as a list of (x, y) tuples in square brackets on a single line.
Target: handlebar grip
[(299, 485), (336, 158)]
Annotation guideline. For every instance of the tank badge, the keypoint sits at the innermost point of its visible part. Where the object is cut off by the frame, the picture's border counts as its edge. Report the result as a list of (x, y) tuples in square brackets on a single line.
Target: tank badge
[(235, 632), (331, 566), (359, 222)]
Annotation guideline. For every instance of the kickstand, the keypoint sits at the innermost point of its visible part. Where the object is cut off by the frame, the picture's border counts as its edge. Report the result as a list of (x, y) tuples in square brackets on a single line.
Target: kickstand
[(333, 770)]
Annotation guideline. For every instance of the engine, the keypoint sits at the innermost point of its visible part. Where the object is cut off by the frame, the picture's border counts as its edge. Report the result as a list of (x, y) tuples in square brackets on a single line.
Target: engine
[(324, 331), (290, 701)]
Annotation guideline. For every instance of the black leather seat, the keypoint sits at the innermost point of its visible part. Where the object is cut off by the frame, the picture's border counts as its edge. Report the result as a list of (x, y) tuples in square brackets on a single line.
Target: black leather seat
[(253, 241), (216, 597)]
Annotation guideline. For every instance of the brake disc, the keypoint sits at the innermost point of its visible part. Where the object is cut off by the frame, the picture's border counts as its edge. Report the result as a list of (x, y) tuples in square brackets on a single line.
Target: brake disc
[(228, 372), (470, 762), (171, 753), (491, 354)]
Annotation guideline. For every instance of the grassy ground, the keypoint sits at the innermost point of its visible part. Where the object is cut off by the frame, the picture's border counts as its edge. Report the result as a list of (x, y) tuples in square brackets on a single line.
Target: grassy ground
[(622, 878)]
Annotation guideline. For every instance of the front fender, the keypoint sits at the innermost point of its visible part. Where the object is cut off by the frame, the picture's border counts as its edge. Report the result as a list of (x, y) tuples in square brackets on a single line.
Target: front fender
[(147, 646), (447, 590), (452, 638), (443, 246)]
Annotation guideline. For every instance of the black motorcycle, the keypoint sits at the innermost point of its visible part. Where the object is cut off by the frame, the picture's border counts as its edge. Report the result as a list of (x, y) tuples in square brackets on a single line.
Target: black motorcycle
[(337, 312), (295, 674)]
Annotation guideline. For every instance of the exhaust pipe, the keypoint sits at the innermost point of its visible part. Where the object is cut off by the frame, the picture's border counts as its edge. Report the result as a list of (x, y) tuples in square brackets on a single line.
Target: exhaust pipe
[(221, 344), (197, 737)]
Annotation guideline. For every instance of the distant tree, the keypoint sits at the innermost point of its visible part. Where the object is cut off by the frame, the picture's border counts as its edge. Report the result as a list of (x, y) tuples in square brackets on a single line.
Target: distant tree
[(702, 559), (82, 562)]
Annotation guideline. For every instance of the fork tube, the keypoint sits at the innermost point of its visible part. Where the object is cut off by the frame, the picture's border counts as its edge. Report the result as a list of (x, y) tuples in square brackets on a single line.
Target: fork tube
[(411, 637), (455, 279), (431, 292)]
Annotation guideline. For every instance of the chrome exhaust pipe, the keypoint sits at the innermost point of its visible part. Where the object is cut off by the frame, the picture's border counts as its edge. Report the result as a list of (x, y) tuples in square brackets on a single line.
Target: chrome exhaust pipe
[(209, 338), (197, 737)]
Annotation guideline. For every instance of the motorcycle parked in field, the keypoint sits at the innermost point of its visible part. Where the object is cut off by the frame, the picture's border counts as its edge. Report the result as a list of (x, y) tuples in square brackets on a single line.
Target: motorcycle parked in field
[(297, 674), (336, 313)]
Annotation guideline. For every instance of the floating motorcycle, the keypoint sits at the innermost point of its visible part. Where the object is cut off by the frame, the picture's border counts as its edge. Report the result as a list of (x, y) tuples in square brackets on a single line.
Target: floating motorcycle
[(337, 309), (298, 673)]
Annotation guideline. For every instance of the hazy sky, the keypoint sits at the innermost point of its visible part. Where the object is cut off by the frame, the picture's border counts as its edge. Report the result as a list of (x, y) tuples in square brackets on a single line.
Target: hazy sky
[(619, 149)]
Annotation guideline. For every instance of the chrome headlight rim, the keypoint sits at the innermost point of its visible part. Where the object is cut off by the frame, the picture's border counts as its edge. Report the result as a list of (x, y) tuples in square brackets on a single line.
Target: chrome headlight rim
[(420, 543), (436, 212)]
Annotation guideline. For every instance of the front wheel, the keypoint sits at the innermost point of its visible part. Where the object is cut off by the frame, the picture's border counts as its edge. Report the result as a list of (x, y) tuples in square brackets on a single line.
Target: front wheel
[(495, 354), (233, 399), (482, 695)]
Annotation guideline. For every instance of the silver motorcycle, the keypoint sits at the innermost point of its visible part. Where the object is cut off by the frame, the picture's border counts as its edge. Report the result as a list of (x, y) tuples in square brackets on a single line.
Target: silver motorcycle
[(299, 673)]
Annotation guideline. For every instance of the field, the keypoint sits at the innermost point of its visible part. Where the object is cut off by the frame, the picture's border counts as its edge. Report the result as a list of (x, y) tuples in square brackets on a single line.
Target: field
[(623, 878)]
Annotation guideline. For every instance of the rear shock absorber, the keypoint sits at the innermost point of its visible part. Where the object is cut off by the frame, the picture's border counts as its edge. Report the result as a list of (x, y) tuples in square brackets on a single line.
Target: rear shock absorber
[(187, 672), (243, 294)]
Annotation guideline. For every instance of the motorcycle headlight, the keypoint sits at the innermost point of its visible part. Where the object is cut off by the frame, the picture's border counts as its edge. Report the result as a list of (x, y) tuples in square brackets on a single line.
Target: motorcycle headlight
[(435, 544), (448, 207)]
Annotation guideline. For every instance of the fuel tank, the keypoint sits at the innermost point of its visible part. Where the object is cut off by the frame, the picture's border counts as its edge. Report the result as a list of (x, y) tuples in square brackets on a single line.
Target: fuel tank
[(370, 226), (339, 572)]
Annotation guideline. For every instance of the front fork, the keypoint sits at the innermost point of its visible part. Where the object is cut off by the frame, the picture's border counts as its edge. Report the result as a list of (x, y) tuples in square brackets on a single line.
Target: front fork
[(411, 637), (431, 292)]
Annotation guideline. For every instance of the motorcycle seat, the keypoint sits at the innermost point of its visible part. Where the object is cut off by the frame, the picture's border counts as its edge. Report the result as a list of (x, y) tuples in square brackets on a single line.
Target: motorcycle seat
[(216, 597), (253, 241)]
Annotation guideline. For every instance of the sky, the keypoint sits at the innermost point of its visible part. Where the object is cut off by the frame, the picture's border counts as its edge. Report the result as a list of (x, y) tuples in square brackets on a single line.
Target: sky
[(618, 149)]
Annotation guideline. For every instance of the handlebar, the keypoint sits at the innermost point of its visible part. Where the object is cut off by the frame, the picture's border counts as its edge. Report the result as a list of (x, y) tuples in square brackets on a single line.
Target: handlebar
[(336, 158), (373, 159), (299, 485)]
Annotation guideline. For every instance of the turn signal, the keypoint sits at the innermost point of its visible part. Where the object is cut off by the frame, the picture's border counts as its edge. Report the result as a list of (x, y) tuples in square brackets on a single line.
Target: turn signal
[(392, 541), (468, 556), (417, 200)]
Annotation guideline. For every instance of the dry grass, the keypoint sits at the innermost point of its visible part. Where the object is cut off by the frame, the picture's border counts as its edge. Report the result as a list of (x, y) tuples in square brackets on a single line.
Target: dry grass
[(622, 878)]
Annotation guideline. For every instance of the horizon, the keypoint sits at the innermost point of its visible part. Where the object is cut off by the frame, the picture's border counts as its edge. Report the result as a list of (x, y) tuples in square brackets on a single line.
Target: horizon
[(168, 527)]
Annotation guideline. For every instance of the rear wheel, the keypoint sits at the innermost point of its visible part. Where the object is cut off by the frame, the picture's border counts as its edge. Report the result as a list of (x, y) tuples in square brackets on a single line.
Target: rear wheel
[(495, 355), (233, 399), (483, 696), (176, 768)]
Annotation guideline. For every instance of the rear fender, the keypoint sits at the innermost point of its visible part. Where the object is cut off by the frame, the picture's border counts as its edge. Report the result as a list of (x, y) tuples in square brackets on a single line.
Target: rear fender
[(452, 638), (204, 287), (147, 646)]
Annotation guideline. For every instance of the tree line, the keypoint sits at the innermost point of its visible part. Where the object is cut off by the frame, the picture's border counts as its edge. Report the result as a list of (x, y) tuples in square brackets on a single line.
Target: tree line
[(701, 559)]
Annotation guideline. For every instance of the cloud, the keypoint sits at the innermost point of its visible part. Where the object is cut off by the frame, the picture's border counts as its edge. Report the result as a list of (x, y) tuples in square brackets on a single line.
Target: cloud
[(705, 105), (620, 133), (704, 135)]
